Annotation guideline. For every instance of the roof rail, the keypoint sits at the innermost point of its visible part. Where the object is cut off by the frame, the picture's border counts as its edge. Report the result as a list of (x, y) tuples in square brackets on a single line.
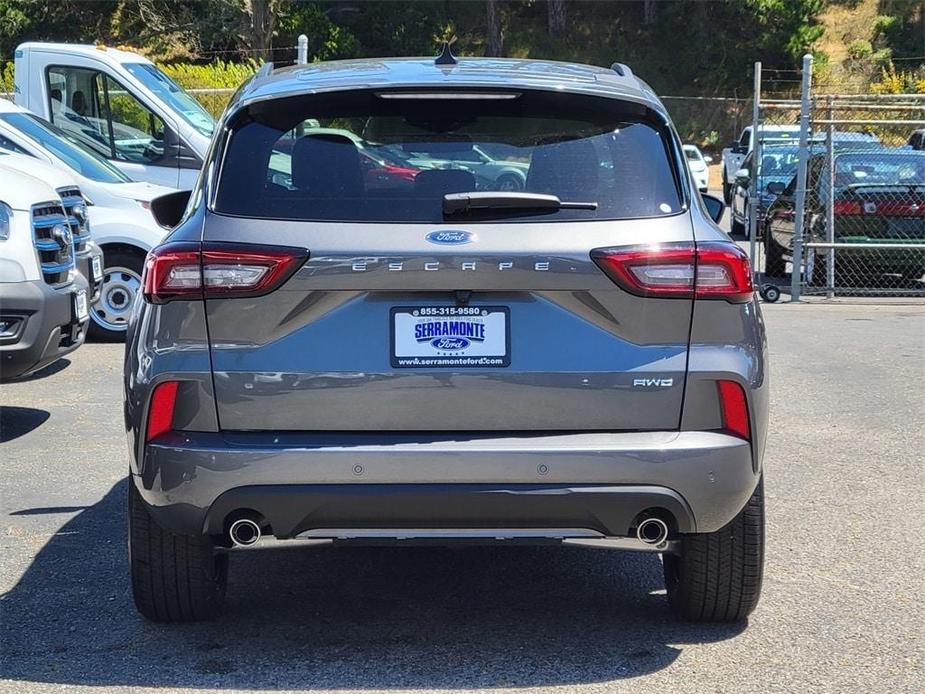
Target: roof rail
[(265, 70), (622, 70)]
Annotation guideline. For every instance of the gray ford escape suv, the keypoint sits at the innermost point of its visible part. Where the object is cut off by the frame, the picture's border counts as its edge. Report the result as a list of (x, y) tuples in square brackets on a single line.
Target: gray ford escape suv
[(319, 359)]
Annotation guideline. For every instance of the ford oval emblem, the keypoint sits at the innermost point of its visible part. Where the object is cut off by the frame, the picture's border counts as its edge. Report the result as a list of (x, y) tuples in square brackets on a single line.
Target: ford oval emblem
[(450, 237), (452, 344)]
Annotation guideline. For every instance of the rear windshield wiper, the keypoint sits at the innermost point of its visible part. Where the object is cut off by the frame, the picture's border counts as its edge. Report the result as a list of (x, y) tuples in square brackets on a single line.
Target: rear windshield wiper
[(461, 203)]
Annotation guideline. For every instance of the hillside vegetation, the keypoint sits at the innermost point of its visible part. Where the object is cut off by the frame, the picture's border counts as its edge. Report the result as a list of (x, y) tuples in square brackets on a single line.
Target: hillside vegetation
[(702, 48), (680, 48)]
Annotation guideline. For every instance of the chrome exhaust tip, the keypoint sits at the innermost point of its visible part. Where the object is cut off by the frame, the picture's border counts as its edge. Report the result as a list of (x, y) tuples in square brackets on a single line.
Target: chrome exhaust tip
[(652, 531), (244, 532)]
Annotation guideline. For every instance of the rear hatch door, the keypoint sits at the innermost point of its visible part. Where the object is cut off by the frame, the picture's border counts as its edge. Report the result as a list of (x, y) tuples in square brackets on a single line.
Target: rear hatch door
[(335, 347)]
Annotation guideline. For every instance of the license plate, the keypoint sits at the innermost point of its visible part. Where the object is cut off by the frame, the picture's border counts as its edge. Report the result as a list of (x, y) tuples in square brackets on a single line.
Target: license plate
[(96, 268), (450, 336), (80, 305)]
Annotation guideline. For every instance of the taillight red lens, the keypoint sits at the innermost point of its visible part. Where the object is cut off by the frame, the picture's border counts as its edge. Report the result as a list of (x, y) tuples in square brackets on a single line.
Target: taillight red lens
[(723, 272), (847, 207), (160, 412), (710, 270), (183, 270), (734, 406)]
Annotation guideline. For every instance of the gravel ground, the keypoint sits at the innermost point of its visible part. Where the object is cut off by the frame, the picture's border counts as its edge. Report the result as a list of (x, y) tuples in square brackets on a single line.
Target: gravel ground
[(842, 608)]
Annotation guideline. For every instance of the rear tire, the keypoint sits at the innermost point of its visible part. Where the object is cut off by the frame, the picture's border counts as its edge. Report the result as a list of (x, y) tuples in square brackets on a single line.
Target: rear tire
[(509, 183), (175, 578), (718, 576), (774, 263), (821, 272), (737, 228)]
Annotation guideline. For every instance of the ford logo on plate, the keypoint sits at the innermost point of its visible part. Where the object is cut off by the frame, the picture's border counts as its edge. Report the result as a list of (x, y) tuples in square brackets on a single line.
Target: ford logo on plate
[(450, 343), (450, 237)]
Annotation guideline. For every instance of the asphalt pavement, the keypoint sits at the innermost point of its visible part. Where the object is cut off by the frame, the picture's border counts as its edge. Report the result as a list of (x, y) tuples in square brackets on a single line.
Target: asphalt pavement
[(841, 612)]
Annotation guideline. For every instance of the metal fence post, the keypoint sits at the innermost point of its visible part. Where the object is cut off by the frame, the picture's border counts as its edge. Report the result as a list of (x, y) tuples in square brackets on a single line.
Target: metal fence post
[(753, 185), (303, 50), (800, 212), (830, 201)]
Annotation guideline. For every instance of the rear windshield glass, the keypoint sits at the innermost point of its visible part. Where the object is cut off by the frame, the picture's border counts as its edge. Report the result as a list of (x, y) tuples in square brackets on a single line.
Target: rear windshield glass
[(393, 156), (876, 170)]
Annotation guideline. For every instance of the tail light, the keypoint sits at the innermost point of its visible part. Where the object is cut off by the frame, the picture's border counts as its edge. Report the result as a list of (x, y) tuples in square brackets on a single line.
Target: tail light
[(183, 270), (734, 406), (160, 412), (848, 208), (712, 270)]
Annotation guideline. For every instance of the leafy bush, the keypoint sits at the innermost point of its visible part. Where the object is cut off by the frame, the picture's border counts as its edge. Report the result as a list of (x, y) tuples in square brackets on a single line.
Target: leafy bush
[(218, 75), (860, 49), (6, 77), (900, 82)]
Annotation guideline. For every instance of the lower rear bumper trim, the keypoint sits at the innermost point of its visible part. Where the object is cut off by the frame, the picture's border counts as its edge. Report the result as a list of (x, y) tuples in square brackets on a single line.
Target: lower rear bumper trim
[(448, 510)]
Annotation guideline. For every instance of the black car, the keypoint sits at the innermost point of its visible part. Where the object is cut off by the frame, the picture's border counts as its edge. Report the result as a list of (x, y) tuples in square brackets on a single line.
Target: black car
[(879, 198)]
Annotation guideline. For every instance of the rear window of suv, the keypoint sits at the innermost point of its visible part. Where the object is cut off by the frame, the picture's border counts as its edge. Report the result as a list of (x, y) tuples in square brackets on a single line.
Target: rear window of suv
[(392, 156)]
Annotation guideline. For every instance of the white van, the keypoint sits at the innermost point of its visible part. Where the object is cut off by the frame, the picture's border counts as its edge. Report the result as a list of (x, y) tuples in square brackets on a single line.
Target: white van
[(118, 104), (44, 302), (119, 210), (88, 256)]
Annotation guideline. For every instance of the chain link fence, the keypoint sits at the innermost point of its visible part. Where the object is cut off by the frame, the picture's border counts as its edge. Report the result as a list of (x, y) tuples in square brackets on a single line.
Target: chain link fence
[(836, 210), (835, 207), (864, 229)]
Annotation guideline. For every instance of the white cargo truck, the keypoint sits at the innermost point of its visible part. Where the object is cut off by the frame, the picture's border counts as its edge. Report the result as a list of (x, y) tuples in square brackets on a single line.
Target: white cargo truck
[(120, 105)]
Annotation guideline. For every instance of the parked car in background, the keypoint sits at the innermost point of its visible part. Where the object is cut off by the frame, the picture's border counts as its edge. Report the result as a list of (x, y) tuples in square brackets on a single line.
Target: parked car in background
[(917, 139), (490, 173), (88, 256), (698, 164), (118, 210), (879, 198), (44, 301), (580, 362), (735, 153), (383, 167), (120, 105), (778, 165)]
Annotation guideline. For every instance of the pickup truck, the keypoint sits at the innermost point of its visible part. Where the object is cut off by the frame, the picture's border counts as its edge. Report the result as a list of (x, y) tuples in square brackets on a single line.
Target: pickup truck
[(44, 301), (118, 104), (735, 153)]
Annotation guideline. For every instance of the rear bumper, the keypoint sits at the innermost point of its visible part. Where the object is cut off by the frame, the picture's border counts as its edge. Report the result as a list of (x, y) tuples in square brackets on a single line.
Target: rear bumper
[(47, 329), (302, 483)]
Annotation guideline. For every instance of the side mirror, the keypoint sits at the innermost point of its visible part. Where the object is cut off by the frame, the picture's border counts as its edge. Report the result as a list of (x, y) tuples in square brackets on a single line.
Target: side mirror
[(707, 159), (776, 187), (715, 207), (168, 209), (743, 177)]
